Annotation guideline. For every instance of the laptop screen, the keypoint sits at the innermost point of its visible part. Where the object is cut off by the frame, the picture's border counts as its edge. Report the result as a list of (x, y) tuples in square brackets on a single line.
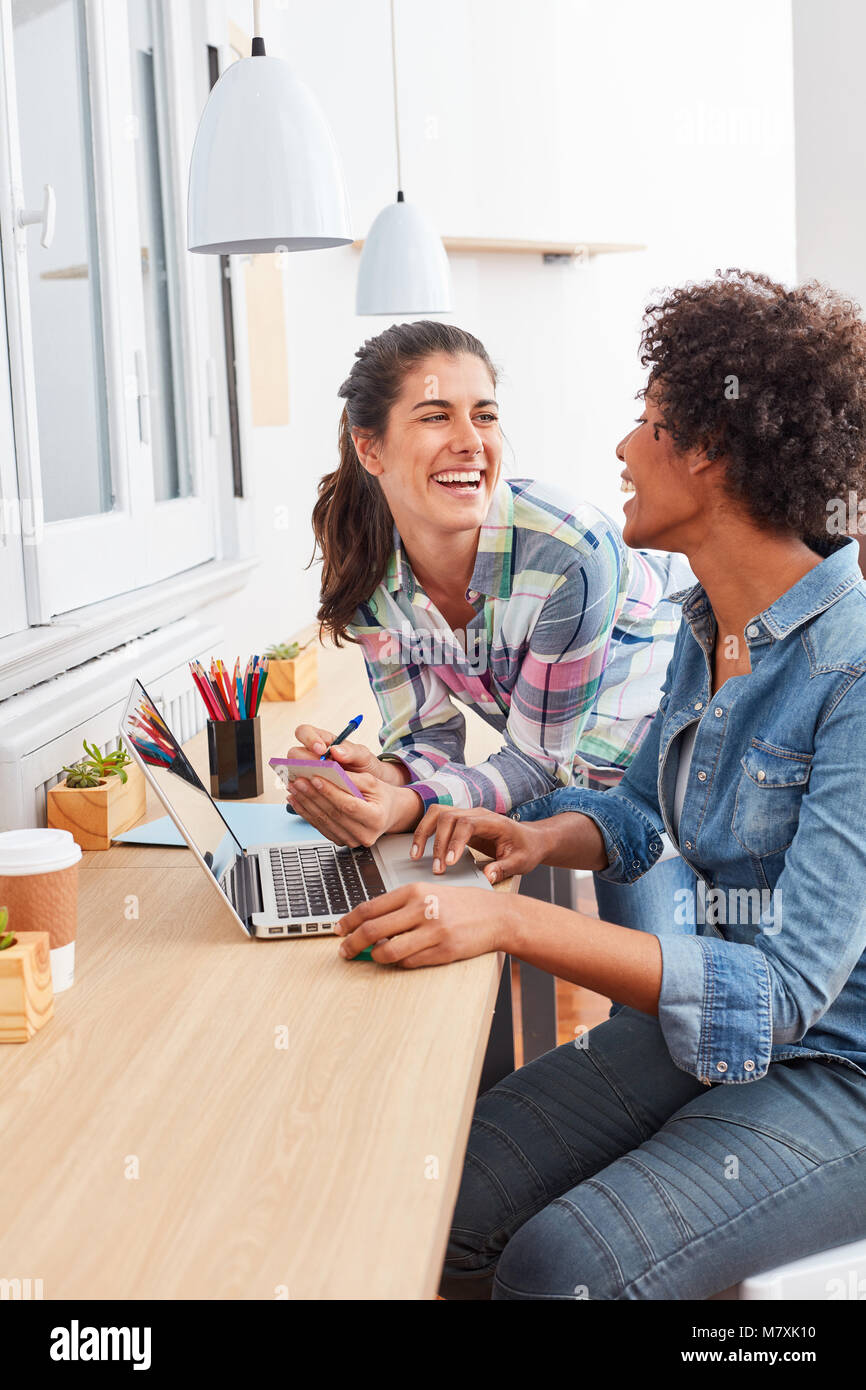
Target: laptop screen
[(177, 781)]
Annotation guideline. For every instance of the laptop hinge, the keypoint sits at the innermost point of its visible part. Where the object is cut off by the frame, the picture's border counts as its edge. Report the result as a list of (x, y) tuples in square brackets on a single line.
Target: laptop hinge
[(248, 888)]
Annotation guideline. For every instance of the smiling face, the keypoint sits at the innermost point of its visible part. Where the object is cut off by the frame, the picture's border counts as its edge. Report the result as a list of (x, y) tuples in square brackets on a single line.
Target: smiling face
[(669, 492), (441, 456)]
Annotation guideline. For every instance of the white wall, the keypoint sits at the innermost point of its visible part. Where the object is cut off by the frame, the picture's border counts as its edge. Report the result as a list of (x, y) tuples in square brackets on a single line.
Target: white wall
[(669, 124), (830, 114)]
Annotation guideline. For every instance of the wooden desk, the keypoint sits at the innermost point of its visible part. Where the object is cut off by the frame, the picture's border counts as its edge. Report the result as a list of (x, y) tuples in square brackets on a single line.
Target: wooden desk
[(158, 1141)]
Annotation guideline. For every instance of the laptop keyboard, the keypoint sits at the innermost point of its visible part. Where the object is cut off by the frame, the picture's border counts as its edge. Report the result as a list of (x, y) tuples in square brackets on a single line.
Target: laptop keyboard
[(318, 880)]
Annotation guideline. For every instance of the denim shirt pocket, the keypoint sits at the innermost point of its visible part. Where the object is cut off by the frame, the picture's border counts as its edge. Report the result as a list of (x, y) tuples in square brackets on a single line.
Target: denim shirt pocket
[(768, 799)]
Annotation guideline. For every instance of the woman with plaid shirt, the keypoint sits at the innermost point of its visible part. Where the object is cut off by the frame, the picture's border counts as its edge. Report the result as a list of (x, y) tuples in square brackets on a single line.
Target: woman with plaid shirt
[(467, 589)]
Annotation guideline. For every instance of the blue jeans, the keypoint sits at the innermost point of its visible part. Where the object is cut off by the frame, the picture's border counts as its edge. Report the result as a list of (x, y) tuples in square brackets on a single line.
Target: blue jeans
[(602, 1171)]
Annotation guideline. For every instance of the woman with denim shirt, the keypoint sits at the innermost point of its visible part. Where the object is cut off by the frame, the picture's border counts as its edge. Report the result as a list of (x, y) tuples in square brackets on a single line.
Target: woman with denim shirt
[(715, 1126)]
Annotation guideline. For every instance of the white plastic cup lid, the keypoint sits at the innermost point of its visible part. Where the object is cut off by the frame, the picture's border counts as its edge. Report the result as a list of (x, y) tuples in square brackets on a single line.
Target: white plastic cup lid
[(36, 851)]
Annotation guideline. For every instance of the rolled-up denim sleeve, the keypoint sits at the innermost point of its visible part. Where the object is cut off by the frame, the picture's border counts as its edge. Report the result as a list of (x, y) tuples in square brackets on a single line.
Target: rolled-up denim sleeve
[(716, 1008), (724, 1004), (632, 840)]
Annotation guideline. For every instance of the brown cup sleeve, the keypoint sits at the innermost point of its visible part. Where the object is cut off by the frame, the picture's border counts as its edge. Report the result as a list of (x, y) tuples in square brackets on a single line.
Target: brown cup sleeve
[(43, 902)]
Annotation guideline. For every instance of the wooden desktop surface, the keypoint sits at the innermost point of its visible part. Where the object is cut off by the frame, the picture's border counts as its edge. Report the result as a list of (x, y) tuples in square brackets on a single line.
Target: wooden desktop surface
[(208, 1116)]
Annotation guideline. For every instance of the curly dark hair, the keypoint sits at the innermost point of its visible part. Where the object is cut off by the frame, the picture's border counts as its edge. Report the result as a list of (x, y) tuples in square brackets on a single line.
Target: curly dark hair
[(771, 379)]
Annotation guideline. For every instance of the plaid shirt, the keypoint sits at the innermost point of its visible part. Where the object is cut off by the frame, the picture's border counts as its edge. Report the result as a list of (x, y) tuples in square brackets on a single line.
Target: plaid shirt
[(565, 657)]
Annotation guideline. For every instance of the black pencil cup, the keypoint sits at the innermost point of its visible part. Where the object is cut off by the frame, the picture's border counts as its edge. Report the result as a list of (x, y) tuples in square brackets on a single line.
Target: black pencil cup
[(234, 749)]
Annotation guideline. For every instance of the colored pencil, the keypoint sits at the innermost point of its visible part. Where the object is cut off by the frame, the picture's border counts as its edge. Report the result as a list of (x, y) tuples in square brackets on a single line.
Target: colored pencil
[(263, 682), (222, 695), (228, 689), (208, 693), (203, 690)]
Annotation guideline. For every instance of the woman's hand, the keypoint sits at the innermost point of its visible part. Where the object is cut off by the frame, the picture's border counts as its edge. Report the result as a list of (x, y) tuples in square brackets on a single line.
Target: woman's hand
[(351, 820), (516, 847), (424, 924), (354, 757)]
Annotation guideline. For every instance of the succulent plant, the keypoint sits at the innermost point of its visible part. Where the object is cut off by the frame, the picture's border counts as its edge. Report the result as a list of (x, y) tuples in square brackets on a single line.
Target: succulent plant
[(108, 764), (6, 937), (285, 651), (81, 775), (90, 771)]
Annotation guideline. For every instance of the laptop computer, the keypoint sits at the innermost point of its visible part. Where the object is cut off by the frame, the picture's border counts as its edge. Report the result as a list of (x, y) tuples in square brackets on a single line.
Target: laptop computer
[(296, 888)]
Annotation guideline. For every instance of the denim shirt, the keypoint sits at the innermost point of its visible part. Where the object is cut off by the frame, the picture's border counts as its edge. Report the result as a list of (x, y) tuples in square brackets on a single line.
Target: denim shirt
[(772, 824)]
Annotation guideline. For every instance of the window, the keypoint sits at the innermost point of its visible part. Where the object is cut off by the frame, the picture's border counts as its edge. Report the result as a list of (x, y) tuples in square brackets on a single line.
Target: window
[(63, 287), (113, 325)]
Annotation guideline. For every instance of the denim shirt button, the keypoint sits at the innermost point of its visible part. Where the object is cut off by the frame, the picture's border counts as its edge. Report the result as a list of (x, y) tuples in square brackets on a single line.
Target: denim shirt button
[(749, 1065), (699, 704), (721, 1066), (688, 844), (761, 774), (635, 863), (515, 815), (702, 777), (717, 712), (752, 630)]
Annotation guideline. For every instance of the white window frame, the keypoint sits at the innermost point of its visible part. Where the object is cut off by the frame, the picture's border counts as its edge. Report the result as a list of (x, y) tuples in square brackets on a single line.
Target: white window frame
[(141, 541), (17, 526)]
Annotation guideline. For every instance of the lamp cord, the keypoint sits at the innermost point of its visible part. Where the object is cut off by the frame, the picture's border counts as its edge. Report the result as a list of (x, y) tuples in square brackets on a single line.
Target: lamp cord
[(396, 107), (257, 47)]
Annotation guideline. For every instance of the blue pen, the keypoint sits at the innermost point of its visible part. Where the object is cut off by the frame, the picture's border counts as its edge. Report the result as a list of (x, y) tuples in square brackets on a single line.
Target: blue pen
[(349, 729)]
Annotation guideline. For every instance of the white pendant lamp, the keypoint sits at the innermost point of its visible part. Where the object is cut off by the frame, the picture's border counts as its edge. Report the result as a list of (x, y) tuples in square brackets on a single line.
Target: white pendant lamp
[(265, 174), (404, 268)]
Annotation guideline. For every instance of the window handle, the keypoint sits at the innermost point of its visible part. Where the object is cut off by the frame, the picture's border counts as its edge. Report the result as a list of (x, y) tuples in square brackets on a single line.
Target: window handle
[(45, 216), (143, 396)]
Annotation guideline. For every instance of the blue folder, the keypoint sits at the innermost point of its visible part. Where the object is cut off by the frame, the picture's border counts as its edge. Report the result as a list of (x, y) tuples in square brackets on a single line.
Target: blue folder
[(254, 823)]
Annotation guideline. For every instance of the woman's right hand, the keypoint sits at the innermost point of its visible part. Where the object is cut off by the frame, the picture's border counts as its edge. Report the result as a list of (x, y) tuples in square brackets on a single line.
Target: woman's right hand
[(354, 757), (515, 847)]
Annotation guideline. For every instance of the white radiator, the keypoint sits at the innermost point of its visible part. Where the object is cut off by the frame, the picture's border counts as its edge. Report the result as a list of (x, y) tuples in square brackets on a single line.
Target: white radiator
[(42, 729)]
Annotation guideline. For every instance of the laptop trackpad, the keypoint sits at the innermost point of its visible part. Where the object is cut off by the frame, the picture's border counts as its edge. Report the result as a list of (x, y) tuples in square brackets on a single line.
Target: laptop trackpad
[(394, 850)]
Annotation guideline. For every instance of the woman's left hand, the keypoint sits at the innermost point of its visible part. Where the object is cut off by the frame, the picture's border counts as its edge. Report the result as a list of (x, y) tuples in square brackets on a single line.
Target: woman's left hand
[(351, 820), (424, 924)]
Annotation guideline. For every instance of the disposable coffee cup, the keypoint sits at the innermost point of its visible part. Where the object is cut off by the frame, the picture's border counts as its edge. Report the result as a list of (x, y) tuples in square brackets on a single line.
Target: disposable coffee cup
[(39, 886)]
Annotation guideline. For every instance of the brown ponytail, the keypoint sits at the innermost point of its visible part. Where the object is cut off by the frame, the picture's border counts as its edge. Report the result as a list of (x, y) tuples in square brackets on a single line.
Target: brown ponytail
[(352, 523)]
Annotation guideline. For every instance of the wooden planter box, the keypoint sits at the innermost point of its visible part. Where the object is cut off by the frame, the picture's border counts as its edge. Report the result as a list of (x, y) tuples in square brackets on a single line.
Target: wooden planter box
[(94, 814), (289, 680), (26, 995)]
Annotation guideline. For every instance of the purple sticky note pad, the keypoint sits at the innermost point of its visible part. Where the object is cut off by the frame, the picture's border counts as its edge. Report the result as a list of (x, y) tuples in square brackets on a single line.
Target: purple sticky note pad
[(288, 769)]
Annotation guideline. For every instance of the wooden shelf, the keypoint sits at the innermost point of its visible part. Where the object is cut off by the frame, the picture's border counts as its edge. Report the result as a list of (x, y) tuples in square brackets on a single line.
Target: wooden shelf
[(548, 250)]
